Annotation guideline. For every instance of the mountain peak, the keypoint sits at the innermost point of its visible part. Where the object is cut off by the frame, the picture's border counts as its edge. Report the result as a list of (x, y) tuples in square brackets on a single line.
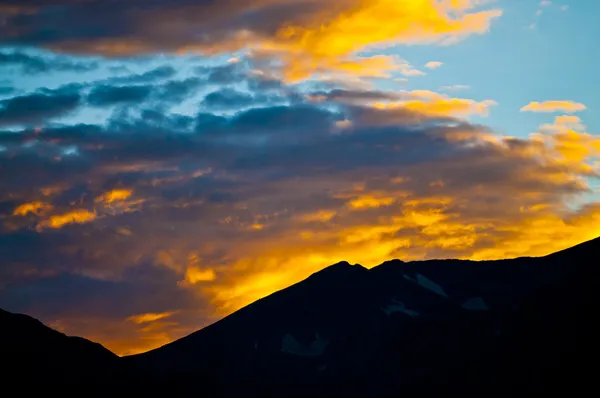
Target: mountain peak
[(340, 271)]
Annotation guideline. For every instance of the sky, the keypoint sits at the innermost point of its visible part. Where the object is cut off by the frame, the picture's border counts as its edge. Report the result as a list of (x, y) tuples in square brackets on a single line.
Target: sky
[(165, 163)]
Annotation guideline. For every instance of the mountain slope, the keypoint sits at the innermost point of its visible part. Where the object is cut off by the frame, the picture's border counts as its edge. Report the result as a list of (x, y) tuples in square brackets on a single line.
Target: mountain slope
[(28, 347), (437, 324)]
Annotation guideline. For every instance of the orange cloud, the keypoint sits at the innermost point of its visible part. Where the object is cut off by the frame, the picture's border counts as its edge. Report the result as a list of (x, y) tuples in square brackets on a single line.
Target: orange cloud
[(378, 22), (572, 147), (150, 317), (116, 195), (126, 336), (433, 228), (328, 45), (432, 103), (79, 216), (413, 226), (322, 216), (370, 201), (194, 275), (554, 106), (37, 208)]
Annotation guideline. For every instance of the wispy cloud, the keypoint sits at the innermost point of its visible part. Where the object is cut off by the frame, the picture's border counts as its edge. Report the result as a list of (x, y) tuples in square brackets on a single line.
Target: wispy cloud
[(150, 317), (554, 106), (433, 64), (455, 87)]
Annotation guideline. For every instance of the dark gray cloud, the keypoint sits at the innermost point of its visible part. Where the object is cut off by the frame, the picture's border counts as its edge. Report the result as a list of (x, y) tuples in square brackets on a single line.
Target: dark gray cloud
[(106, 95), (344, 95), (6, 90), (223, 74), (179, 90), (53, 295), (38, 107), (254, 141), (229, 99), (160, 73), (37, 64), (123, 27)]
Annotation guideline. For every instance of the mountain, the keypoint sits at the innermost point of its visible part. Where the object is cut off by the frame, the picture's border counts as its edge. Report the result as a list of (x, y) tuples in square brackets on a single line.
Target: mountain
[(491, 328), (441, 325), (29, 347)]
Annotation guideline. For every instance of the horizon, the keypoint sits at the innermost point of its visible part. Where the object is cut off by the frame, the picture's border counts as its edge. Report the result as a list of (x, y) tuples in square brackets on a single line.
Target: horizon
[(342, 262), (163, 166)]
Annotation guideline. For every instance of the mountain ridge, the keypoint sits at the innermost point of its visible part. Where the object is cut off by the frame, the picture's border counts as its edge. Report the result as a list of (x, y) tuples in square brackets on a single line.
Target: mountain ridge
[(434, 323)]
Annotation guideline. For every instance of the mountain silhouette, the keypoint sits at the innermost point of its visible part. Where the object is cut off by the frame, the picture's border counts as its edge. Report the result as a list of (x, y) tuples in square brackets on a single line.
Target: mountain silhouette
[(492, 328), (28, 347)]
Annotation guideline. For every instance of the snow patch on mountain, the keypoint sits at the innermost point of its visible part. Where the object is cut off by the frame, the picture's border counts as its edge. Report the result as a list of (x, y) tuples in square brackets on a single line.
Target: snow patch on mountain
[(398, 306), (427, 283), (475, 304), (290, 345)]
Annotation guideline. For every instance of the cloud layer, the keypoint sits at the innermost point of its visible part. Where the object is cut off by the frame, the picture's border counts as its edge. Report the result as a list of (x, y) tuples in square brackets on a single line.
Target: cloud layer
[(307, 35), (266, 184)]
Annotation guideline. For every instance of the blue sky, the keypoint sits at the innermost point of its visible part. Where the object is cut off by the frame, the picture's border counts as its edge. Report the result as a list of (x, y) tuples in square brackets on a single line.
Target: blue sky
[(515, 64)]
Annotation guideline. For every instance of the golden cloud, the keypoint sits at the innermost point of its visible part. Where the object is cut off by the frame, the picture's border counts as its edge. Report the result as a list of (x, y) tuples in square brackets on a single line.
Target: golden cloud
[(413, 226), (434, 228), (37, 208), (329, 44), (116, 195), (432, 103), (78, 216), (572, 147), (554, 106), (150, 317), (194, 275)]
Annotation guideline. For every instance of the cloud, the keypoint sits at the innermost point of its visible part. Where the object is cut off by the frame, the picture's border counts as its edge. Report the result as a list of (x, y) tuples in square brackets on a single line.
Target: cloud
[(6, 90), (554, 106), (456, 87), (106, 95), (152, 212), (433, 64), (571, 143), (195, 275), (432, 103), (77, 216), (150, 317), (179, 90), (307, 35), (106, 310), (37, 64), (227, 99), (415, 102), (408, 70), (160, 73), (116, 195), (36, 208), (38, 107)]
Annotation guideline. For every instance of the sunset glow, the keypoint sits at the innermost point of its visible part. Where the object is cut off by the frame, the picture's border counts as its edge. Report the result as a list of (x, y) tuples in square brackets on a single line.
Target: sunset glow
[(162, 166)]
